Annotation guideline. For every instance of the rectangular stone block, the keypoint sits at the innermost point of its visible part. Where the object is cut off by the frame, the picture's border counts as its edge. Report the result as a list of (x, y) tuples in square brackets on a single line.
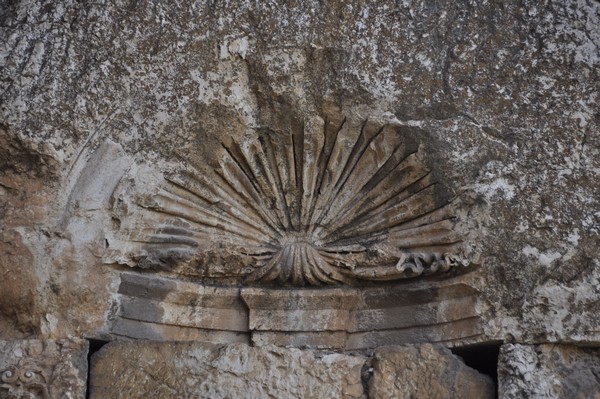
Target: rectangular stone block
[(43, 369), (184, 315), (192, 370), (299, 310), (425, 371), (437, 311)]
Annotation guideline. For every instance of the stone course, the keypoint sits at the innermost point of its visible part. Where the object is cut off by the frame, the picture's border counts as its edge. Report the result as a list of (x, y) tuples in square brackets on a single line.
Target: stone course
[(196, 370)]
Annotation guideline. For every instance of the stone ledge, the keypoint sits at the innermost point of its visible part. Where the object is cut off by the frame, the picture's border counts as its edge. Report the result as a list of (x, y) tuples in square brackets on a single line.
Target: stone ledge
[(351, 318)]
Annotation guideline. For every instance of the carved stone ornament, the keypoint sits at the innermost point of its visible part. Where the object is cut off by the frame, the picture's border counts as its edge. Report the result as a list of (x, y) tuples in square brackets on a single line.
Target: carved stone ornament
[(24, 381), (43, 369), (327, 205)]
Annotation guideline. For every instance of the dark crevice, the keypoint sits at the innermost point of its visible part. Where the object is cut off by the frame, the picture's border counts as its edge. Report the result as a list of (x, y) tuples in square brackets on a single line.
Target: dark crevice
[(366, 374), (95, 346), (483, 358)]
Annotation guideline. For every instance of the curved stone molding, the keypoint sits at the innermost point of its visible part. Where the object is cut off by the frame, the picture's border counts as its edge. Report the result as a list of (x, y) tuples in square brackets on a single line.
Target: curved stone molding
[(320, 205), (165, 309), (350, 318)]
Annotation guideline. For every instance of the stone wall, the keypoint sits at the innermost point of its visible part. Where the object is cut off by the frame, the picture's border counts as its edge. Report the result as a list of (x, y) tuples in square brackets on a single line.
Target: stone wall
[(300, 185)]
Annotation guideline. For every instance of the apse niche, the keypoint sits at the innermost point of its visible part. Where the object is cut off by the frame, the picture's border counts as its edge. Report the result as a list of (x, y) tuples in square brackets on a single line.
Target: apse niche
[(337, 215)]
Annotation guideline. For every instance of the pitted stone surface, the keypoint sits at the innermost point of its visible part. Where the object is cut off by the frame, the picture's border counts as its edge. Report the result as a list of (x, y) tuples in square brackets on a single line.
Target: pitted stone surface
[(102, 102), (548, 372), (225, 144), (425, 371), (196, 370)]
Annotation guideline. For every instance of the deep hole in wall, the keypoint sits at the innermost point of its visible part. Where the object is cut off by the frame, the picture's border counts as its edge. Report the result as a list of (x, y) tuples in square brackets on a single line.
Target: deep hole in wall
[(95, 346), (483, 358)]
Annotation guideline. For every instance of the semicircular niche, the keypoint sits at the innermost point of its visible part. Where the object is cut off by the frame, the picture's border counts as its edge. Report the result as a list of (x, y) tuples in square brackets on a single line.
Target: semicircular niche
[(331, 204)]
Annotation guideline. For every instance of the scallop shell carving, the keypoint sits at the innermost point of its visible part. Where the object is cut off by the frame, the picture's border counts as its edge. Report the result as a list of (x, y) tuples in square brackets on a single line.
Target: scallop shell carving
[(315, 206)]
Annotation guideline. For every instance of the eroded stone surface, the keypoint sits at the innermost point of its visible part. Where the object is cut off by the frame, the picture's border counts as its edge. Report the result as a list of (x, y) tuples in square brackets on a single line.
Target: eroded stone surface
[(357, 319), (158, 308), (101, 102), (43, 369), (425, 371), (300, 311), (351, 318), (444, 311), (548, 371), (331, 200), (176, 370)]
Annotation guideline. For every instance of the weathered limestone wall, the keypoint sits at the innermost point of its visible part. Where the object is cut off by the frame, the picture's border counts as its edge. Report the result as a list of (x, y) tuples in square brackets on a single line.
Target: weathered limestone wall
[(323, 175), (146, 369), (548, 371)]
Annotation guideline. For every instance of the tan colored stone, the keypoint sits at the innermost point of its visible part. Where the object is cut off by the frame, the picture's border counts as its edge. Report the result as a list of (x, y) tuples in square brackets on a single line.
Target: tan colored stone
[(193, 370), (425, 371), (164, 332), (303, 339), (43, 369), (548, 371), (18, 285), (152, 307), (299, 310), (434, 311), (462, 331), (160, 308)]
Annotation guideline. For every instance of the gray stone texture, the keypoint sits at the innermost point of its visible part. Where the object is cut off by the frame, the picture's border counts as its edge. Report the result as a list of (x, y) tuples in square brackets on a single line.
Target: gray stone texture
[(111, 96), (196, 370), (548, 371), (425, 371), (101, 102), (44, 369)]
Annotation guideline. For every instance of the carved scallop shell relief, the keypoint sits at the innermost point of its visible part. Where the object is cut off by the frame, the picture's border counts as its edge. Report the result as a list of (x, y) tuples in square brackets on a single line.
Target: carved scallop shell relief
[(327, 205)]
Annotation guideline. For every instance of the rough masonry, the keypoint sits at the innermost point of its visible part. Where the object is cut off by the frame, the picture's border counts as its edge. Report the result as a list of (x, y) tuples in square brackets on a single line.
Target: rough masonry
[(323, 176)]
